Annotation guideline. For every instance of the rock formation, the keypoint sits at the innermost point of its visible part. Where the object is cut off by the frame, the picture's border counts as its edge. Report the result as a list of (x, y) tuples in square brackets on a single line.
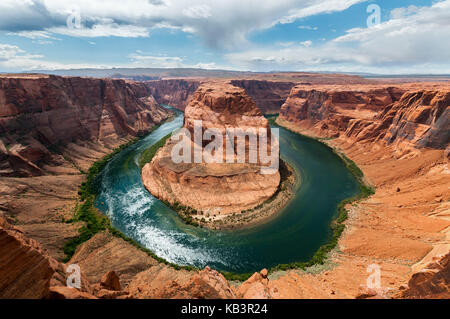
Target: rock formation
[(173, 92), (330, 109), (399, 115), (401, 149), (163, 283), (27, 271), (431, 282), (41, 116), (405, 223), (268, 95), (214, 188)]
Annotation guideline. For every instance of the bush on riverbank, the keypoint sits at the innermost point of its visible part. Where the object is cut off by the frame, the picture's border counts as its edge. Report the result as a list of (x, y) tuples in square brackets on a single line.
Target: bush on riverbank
[(96, 222), (86, 212), (149, 153)]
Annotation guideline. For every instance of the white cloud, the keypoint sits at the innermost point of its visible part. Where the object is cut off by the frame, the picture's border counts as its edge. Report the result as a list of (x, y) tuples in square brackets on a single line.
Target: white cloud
[(34, 35), (140, 60), (307, 27), (221, 24), (198, 12), (103, 30), (306, 43), (317, 7), (207, 66), (12, 59), (414, 40)]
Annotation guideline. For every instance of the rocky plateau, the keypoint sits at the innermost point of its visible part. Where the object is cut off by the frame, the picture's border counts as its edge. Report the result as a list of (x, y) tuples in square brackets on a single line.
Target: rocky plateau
[(51, 128)]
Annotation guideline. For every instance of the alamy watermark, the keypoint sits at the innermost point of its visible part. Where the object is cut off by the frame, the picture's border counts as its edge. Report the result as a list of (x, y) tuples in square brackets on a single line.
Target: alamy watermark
[(374, 279), (73, 20), (227, 145), (74, 279), (375, 15)]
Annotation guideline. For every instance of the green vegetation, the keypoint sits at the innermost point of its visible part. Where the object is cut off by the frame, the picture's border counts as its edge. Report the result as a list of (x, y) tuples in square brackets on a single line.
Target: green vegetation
[(337, 225), (95, 222), (365, 190), (149, 153), (87, 188), (236, 277), (184, 212)]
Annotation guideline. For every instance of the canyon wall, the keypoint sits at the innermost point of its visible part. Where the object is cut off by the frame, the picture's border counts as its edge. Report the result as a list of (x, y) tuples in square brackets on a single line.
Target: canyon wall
[(330, 109), (267, 95), (27, 271), (399, 115), (403, 228), (41, 115), (173, 92), (399, 137)]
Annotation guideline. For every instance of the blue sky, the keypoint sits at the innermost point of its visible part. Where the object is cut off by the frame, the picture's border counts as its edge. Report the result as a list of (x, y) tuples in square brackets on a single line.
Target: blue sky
[(287, 35)]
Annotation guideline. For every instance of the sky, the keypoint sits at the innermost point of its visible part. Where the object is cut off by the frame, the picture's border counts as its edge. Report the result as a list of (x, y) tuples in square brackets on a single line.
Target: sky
[(384, 37)]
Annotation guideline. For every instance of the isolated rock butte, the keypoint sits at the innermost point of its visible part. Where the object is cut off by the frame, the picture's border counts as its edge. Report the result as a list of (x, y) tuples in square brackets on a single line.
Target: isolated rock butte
[(220, 188)]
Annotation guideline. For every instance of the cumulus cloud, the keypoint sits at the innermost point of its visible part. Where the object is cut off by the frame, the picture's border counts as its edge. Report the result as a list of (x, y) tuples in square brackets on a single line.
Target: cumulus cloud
[(413, 40), (306, 43), (221, 24), (13, 58), (34, 35)]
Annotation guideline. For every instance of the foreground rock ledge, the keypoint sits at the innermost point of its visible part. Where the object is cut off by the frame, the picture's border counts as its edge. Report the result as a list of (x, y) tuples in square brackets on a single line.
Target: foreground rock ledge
[(214, 191)]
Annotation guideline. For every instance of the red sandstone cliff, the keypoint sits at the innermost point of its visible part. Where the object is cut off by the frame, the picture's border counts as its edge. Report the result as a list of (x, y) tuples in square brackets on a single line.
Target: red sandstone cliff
[(391, 114), (268, 95), (214, 188), (41, 115), (174, 92), (395, 228), (27, 271), (329, 109), (401, 144)]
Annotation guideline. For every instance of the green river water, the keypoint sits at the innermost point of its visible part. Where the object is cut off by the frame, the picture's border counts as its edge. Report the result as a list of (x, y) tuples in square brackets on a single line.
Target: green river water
[(294, 234)]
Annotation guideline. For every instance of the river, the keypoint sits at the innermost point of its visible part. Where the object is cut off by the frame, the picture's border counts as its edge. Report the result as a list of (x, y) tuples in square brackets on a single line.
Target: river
[(293, 235)]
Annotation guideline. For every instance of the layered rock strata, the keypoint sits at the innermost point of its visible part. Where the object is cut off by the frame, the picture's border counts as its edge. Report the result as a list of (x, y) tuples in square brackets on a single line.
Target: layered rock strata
[(173, 92), (404, 228), (399, 115), (215, 189), (43, 118), (268, 95)]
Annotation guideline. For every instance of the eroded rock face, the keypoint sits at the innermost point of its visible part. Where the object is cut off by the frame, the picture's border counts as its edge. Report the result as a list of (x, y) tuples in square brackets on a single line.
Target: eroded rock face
[(431, 282), (163, 283), (40, 116), (330, 110), (420, 118), (27, 271), (268, 95), (395, 115), (218, 188), (174, 92)]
